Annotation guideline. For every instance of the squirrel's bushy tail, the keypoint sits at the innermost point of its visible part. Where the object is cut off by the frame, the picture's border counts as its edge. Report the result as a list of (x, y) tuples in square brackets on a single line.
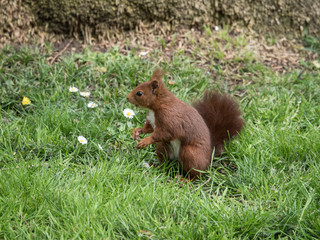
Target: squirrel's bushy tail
[(222, 116)]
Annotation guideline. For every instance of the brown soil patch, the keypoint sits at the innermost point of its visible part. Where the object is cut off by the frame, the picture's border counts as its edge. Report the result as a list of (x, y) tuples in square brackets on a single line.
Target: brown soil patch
[(204, 47), (229, 48)]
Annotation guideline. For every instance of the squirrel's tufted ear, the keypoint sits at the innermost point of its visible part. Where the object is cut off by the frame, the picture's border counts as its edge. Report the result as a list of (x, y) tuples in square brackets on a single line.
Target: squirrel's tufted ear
[(156, 82), (157, 74)]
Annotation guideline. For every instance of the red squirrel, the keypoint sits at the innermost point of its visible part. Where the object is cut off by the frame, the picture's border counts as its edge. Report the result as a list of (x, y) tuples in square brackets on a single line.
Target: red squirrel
[(180, 131)]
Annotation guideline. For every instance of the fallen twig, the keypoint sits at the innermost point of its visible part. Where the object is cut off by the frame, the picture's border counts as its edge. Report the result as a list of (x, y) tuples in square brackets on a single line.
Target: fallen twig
[(62, 51), (302, 71)]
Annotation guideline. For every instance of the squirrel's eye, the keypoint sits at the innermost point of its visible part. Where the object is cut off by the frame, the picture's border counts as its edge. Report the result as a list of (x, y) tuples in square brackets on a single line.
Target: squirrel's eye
[(139, 93)]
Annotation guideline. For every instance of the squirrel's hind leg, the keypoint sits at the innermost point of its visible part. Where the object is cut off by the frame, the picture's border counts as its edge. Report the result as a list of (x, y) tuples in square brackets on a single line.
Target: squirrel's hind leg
[(193, 158)]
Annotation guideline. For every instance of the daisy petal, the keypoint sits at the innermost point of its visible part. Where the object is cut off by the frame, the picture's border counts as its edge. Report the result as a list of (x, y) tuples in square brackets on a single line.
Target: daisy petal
[(85, 94), (128, 113), (146, 165), (73, 89), (92, 105), (82, 140)]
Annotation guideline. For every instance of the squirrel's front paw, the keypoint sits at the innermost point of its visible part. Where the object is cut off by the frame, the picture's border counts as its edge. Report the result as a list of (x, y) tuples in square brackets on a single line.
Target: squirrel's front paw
[(136, 133), (144, 142)]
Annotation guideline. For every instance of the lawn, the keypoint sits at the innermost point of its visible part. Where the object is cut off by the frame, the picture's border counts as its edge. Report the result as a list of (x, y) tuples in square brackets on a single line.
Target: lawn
[(265, 186)]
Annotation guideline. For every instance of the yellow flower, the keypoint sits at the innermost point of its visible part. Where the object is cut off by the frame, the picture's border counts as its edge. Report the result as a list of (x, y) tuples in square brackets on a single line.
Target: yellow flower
[(25, 101)]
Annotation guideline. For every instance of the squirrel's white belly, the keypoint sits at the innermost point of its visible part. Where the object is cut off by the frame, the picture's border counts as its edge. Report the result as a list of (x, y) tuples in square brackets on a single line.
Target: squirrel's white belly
[(174, 145), (175, 149), (151, 119)]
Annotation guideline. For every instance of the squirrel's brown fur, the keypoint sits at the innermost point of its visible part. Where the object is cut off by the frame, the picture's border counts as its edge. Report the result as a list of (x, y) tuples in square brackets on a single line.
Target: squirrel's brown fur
[(181, 131)]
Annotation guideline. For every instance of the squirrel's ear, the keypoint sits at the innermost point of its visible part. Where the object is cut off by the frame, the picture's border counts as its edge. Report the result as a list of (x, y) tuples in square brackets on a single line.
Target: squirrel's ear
[(157, 74), (156, 80), (155, 87)]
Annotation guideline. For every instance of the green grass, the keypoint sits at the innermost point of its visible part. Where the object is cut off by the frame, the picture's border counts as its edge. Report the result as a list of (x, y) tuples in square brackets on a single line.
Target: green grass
[(266, 185), (312, 43)]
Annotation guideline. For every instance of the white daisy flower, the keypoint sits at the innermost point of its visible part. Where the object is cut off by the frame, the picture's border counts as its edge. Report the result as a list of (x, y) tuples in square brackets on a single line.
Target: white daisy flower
[(85, 94), (216, 28), (146, 165), (92, 105), (100, 146), (128, 113), (82, 140), (73, 89)]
